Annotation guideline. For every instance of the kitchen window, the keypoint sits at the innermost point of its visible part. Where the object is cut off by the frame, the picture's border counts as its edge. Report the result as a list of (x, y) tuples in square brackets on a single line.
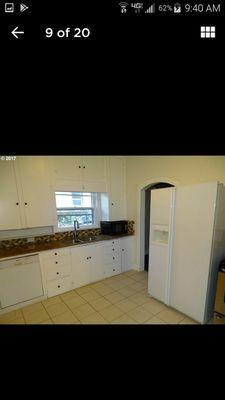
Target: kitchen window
[(80, 206)]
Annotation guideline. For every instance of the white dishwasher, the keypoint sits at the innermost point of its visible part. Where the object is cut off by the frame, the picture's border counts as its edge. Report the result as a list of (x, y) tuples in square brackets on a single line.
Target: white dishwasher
[(20, 280)]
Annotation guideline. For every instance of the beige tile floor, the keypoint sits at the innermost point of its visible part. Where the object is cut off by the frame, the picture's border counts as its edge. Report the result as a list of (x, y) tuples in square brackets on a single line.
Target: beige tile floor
[(122, 299)]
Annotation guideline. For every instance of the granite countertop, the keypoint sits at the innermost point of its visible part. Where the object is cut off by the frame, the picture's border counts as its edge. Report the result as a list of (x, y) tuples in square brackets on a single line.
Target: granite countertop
[(43, 246)]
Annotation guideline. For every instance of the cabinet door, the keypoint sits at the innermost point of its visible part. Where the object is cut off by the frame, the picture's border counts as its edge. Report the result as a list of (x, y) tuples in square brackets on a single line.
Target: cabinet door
[(81, 270), (117, 188), (69, 167), (97, 264), (127, 251), (9, 199), (38, 196), (94, 169), (59, 286), (94, 174)]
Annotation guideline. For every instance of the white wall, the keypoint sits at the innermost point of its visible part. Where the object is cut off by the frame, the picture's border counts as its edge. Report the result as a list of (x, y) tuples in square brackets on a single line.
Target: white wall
[(178, 170)]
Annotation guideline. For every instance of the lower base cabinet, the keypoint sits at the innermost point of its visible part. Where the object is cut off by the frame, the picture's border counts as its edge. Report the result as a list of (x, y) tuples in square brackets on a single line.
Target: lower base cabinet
[(127, 253), (69, 268), (58, 286), (89, 263), (81, 274)]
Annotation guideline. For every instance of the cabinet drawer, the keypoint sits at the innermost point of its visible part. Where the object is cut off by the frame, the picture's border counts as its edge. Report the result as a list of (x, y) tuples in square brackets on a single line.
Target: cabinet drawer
[(59, 286), (57, 262), (116, 269), (112, 258), (58, 272), (56, 253), (110, 249), (112, 269)]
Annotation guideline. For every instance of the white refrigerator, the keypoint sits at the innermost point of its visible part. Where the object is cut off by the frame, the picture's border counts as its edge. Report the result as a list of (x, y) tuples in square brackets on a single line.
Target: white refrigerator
[(187, 242)]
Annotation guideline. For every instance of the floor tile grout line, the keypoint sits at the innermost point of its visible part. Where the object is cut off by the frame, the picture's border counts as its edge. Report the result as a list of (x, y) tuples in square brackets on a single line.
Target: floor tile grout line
[(50, 316), (115, 290)]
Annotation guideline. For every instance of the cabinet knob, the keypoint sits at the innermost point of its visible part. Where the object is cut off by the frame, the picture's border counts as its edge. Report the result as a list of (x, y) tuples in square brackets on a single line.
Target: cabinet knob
[(79, 166), (113, 242), (56, 262), (113, 258), (112, 204), (25, 204), (17, 204), (57, 273), (113, 269), (56, 254), (58, 286), (87, 258), (122, 249), (113, 249), (83, 166)]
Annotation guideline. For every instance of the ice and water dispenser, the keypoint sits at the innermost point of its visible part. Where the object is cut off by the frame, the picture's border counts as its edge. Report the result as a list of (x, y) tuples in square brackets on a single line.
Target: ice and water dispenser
[(160, 234)]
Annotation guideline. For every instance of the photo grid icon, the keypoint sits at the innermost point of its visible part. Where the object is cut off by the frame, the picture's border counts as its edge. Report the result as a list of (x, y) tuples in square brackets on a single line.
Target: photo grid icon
[(208, 32)]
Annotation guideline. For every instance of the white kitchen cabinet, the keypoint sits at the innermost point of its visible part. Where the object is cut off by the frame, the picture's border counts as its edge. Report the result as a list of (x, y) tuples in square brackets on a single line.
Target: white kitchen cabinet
[(26, 200), (69, 167), (81, 271), (38, 198), (96, 265), (127, 253), (87, 265), (112, 258), (78, 173), (59, 286), (56, 266), (10, 213), (94, 174), (117, 207)]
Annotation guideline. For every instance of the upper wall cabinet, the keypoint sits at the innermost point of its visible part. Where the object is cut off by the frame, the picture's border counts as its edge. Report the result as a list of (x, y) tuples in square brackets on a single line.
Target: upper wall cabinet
[(10, 217), (38, 196), (117, 206), (26, 199), (73, 173), (67, 168)]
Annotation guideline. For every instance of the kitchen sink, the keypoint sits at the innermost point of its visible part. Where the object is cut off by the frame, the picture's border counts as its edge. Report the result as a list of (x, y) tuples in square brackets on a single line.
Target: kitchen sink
[(86, 240)]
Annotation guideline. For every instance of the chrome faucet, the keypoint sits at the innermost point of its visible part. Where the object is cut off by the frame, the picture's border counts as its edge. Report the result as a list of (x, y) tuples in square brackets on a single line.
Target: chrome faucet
[(76, 226)]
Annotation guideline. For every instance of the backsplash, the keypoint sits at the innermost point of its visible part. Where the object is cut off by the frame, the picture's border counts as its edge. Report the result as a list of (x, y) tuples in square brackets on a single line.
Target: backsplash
[(81, 234)]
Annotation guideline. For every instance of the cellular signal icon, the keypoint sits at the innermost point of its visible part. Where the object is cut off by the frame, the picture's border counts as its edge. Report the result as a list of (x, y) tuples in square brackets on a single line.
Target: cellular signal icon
[(123, 6), (151, 9)]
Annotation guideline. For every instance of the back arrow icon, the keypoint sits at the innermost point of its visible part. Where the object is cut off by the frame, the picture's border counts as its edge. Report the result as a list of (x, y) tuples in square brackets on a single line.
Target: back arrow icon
[(15, 32)]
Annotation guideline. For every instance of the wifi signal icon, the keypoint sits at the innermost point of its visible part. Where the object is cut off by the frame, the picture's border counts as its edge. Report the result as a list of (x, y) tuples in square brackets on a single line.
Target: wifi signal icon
[(123, 6)]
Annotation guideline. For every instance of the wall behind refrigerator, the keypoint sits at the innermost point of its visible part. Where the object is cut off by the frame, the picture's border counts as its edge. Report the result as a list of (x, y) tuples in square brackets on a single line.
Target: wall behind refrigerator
[(184, 170)]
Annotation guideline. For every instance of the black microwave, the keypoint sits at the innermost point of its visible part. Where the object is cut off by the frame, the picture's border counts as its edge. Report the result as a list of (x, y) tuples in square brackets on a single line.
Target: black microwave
[(114, 227)]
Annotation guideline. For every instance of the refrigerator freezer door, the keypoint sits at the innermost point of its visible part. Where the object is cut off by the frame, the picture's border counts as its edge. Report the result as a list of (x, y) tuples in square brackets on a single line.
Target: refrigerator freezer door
[(158, 265), (161, 215), (192, 243)]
